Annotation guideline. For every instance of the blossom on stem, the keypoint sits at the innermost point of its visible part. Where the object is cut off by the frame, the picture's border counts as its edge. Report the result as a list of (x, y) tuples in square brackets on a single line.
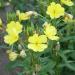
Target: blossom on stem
[(37, 43), (55, 10), (50, 31)]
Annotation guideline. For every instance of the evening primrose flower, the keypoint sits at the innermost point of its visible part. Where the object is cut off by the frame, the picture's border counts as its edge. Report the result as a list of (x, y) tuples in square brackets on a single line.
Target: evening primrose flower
[(37, 42), (67, 2), (11, 39), (50, 31), (14, 27), (26, 15), (55, 10), (12, 56)]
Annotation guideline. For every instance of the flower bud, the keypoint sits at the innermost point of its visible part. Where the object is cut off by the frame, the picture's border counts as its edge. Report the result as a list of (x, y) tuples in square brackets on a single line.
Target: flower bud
[(22, 53), (12, 56)]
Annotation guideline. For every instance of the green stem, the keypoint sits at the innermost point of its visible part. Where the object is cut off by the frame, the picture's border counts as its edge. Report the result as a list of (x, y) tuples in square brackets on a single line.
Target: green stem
[(57, 69), (34, 64), (56, 58)]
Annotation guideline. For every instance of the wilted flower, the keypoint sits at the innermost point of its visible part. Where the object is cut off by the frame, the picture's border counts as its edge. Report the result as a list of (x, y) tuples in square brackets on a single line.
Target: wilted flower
[(22, 53), (26, 15), (68, 17), (67, 2), (12, 56)]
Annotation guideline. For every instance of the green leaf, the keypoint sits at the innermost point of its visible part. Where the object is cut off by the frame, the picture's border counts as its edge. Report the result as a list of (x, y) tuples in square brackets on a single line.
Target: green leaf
[(48, 66), (68, 51), (66, 62), (67, 38)]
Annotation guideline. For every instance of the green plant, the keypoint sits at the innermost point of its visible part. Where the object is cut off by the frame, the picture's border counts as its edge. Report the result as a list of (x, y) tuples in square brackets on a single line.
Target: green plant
[(50, 56)]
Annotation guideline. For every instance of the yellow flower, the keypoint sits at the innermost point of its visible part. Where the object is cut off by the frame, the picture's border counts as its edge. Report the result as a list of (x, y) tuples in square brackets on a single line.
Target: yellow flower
[(14, 27), (11, 39), (12, 56), (23, 16), (26, 15), (50, 31), (67, 2), (55, 10), (37, 43)]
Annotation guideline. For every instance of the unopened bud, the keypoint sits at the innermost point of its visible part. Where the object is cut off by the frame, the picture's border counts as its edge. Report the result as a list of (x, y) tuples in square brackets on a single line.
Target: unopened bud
[(22, 53)]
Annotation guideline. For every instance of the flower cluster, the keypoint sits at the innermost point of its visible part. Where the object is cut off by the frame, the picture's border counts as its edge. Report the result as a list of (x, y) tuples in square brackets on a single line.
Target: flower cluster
[(13, 29), (38, 41)]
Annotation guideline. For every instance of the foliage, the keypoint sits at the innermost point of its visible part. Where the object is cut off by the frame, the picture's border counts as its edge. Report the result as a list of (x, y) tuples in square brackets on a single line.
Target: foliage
[(36, 59)]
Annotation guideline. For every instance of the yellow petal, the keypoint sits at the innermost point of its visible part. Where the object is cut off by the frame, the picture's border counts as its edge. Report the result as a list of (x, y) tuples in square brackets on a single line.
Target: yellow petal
[(11, 39), (37, 47), (33, 39), (14, 27), (59, 10), (53, 37), (50, 30), (43, 39)]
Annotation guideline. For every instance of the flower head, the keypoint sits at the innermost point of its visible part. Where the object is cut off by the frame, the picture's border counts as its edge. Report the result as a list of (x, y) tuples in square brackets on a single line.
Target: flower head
[(67, 2), (55, 10), (11, 39), (50, 31), (14, 27), (37, 43)]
